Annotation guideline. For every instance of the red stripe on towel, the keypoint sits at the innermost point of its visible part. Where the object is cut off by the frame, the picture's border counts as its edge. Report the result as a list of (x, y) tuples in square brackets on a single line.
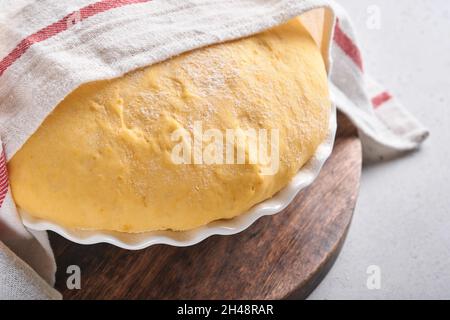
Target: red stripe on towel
[(60, 26), (381, 99), (347, 45), (4, 183)]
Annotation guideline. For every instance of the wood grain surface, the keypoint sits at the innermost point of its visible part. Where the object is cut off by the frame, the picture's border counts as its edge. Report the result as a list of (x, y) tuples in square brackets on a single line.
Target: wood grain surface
[(280, 257)]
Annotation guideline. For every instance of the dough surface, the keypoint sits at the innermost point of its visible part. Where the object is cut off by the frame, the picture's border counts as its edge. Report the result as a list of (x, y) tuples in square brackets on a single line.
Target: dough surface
[(102, 159)]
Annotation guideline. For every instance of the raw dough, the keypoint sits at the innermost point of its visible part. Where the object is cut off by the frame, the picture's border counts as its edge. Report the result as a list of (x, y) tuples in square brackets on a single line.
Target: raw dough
[(102, 158)]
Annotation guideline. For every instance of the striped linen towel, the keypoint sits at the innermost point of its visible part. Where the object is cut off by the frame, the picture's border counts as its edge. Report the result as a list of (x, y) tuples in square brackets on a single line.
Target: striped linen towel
[(49, 47)]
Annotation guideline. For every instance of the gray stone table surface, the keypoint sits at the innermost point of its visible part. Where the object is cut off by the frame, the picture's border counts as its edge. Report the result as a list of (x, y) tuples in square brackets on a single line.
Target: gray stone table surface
[(402, 220)]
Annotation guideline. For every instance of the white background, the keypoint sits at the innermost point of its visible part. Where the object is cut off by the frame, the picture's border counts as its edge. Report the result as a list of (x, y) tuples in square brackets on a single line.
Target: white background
[(402, 219)]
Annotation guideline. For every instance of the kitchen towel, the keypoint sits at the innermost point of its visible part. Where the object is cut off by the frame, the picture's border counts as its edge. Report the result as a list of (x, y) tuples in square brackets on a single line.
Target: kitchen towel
[(49, 47)]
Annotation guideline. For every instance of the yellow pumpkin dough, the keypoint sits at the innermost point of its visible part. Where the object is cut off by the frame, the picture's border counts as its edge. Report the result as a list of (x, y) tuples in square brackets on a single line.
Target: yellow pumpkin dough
[(102, 158)]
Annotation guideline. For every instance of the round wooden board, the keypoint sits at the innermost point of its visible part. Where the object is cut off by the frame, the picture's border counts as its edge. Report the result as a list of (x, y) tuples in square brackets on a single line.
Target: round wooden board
[(280, 257)]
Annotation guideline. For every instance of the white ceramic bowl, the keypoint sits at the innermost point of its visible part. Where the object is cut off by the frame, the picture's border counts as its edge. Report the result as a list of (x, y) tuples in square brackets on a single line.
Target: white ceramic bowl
[(221, 227)]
